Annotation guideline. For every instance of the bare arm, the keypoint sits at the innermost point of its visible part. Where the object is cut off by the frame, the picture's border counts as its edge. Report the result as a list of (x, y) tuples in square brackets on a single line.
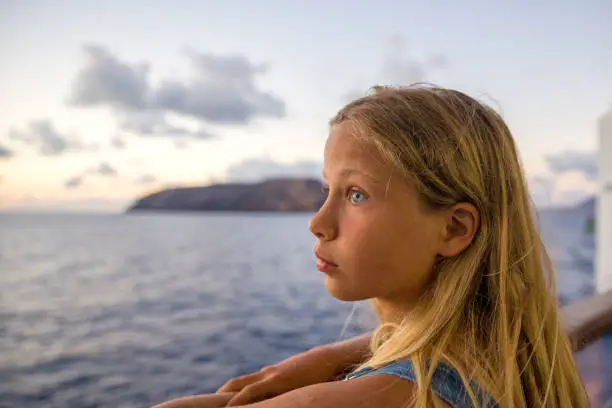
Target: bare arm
[(318, 365), (199, 401), (348, 353), (369, 392), (584, 321), (377, 391)]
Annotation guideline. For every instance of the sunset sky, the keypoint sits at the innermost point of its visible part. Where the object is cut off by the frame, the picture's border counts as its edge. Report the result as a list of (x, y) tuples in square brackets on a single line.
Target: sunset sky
[(103, 101)]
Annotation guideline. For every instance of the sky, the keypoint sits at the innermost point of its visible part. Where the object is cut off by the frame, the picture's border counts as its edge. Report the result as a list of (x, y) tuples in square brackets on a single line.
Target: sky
[(101, 103)]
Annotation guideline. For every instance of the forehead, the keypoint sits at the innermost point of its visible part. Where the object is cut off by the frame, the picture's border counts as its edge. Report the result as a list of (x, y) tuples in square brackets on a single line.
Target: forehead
[(346, 149)]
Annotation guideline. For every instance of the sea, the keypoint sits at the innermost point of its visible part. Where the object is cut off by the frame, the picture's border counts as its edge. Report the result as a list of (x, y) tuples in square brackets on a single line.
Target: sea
[(130, 310)]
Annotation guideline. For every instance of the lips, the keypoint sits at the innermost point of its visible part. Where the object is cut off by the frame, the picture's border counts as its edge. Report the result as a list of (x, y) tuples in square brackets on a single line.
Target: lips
[(324, 264)]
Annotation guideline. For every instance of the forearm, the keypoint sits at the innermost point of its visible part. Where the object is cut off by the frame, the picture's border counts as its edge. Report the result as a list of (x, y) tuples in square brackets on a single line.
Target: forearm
[(199, 401), (347, 353), (321, 364)]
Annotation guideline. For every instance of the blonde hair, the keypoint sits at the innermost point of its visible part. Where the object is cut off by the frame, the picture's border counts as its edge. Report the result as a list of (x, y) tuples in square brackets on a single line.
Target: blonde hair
[(491, 312)]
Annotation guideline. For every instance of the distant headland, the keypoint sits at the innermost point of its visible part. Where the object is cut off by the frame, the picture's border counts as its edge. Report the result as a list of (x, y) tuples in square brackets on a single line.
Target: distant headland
[(276, 195)]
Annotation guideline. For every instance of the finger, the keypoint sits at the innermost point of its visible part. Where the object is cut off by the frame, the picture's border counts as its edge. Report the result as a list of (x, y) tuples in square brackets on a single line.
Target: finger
[(252, 393), (238, 383)]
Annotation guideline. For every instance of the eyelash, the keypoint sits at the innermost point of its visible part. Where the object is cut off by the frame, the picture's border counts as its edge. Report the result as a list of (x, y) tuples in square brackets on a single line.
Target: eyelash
[(349, 192)]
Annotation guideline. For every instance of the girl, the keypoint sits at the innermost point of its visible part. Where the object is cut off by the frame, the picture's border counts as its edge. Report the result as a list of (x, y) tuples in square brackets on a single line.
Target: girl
[(428, 215)]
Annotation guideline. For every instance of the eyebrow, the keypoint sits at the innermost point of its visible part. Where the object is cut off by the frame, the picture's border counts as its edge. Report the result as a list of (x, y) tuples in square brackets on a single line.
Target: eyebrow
[(346, 172)]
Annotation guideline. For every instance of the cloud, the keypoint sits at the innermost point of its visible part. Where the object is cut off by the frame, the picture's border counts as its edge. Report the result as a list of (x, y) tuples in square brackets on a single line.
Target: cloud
[(146, 179), (104, 169), (5, 153), (572, 178), (74, 182), (574, 161), (117, 143), (180, 144), (257, 169), (42, 134), (573, 197), (401, 70), (223, 90), (542, 190), (154, 124), (106, 81)]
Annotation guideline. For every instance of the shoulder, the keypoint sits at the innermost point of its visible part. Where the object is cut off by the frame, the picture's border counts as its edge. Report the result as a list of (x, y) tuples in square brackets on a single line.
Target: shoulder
[(376, 391)]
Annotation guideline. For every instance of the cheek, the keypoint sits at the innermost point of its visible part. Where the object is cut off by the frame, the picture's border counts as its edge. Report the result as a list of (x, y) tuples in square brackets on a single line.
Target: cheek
[(371, 253), (388, 255), (414, 249), (365, 238)]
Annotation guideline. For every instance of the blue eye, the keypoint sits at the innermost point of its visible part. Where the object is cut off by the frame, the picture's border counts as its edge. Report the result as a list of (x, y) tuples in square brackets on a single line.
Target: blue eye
[(357, 197)]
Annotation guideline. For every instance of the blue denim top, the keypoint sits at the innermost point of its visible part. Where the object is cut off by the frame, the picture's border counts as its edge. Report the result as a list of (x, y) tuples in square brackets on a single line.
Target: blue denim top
[(446, 383)]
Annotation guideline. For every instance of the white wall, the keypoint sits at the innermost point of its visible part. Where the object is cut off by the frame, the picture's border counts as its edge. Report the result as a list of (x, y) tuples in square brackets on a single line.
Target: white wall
[(603, 263)]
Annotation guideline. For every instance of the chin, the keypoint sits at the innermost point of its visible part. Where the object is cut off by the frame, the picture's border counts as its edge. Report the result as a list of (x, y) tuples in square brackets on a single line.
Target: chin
[(340, 291)]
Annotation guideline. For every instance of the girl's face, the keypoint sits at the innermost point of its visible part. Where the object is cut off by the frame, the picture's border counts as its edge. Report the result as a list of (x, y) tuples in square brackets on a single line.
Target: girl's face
[(373, 238)]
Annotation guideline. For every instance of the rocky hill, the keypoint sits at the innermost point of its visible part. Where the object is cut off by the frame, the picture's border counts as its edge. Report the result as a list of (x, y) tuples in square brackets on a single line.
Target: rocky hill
[(285, 195)]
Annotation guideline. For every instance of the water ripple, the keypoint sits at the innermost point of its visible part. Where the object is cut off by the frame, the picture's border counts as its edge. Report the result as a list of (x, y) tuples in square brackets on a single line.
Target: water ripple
[(128, 311)]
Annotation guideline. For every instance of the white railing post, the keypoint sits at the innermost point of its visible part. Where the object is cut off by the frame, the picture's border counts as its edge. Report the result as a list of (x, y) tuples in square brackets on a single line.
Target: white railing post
[(603, 215)]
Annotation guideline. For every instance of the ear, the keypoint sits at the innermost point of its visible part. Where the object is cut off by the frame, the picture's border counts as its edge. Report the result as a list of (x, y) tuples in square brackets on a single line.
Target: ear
[(461, 224)]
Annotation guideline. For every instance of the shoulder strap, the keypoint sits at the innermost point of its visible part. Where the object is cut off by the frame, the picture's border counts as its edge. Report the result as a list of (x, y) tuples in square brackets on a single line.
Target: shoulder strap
[(446, 383)]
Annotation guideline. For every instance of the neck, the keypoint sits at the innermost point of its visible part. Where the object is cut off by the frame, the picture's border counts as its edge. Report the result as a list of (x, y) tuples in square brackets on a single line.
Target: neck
[(392, 311)]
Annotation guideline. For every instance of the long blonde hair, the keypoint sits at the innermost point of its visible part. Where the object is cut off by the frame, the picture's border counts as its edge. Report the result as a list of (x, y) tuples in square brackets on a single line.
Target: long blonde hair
[(491, 312)]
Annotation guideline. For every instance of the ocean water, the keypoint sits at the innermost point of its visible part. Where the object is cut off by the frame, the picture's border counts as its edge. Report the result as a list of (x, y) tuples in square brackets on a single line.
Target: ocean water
[(132, 310)]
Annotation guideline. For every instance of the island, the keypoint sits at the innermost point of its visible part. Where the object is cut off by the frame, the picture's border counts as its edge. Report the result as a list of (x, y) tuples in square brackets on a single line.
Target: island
[(275, 195)]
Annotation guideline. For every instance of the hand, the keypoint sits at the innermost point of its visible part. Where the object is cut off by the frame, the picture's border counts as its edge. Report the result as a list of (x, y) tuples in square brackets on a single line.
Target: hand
[(312, 367), (217, 400)]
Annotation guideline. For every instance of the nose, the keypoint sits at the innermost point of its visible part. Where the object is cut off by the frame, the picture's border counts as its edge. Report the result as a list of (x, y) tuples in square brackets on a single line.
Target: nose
[(323, 224)]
